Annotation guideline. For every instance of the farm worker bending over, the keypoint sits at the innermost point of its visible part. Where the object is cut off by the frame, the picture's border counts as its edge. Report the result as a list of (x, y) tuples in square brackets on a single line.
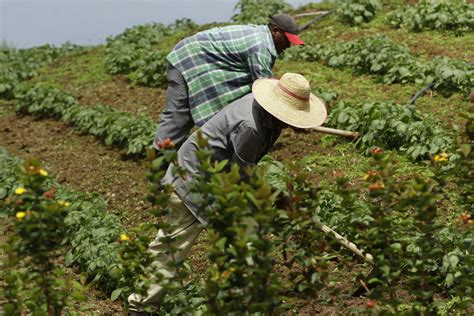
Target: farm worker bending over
[(210, 69), (241, 133)]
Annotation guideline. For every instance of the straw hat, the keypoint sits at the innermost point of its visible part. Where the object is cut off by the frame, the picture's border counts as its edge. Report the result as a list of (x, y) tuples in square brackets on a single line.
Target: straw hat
[(290, 100)]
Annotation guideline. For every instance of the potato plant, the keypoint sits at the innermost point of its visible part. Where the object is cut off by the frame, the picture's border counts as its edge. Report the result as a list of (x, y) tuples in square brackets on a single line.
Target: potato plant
[(356, 12), (134, 52), (258, 12), (453, 15), (391, 63)]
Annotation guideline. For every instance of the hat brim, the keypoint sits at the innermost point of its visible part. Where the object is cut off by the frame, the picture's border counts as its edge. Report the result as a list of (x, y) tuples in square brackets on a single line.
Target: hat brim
[(294, 39), (315, 115)]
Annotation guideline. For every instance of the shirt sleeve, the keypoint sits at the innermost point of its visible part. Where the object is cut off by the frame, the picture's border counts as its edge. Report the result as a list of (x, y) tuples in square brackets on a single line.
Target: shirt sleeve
[(260, 64), (246, 146)]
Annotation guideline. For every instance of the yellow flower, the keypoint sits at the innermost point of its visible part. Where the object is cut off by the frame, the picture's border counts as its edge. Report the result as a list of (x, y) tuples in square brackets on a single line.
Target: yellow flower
[(64, 203), (20, 191), (365, 177), (20, 215), (124, 237), (43, 172), (441, 157)]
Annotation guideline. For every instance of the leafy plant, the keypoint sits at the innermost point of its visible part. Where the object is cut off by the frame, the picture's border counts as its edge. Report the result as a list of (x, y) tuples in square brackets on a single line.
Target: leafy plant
[(392, 63), (150, 70), (407, 240), (356, 12), (38, 233), (115, 128), (391, 126), (91, 235), (258, 12), (134, 52), (41, 101), (22, 64), (435, 15)]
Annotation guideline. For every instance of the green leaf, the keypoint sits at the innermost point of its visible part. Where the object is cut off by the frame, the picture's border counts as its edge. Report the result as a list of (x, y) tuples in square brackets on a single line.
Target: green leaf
[(116, 294)]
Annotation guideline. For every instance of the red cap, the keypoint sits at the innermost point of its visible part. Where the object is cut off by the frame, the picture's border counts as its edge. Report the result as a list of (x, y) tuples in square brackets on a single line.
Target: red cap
[(294, 39)]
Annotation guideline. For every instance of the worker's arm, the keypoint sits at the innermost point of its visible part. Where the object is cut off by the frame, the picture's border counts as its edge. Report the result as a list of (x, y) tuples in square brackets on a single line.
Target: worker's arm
[(246, 146), (260, 64)]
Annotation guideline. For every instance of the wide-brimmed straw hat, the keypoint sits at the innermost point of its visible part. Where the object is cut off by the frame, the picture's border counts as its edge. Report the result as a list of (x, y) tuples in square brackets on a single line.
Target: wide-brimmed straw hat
[(290, 100)]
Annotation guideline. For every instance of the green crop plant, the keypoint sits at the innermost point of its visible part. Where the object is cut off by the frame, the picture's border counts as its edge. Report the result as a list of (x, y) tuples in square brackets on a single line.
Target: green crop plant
[(392, 63), (19, 65), (454, 15), (356, 12), (258, 11), (392, 126), (121, 129), (135, 52)]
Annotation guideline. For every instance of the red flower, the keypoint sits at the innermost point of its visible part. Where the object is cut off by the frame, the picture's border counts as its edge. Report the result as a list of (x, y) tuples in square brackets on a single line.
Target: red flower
[(372, 173), (50, 194), (376, 186), (376, 151), (465, 218), (370, 304), (165, 144)]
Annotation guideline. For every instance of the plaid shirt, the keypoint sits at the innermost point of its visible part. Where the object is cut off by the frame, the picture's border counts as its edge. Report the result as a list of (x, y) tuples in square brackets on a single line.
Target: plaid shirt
[(220, 65)]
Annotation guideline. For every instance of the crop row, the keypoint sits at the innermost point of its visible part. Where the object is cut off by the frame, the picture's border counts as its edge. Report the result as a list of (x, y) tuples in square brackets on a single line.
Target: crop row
[(392, 126), (392, 63), (22, 64), (115, 128), (134, 52), (92, 233), (434, 15), (381, 124)]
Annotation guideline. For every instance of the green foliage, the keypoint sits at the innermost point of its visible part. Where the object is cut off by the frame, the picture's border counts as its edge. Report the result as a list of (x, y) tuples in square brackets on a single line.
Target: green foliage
[(92, 235), (452, 75), (121, 129), (241, 277), (22, 64), (37, 235), (151, 70), (356, 12), (392, 126), (275, 172), (258, 11), (134, 52), (411, 248), (115, 128), (435, 15), (392, 63), (247, 233), (465, 168), (42, 101)]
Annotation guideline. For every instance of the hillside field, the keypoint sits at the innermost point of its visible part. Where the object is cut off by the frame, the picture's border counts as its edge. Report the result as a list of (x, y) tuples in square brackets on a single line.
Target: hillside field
[(402, 191)]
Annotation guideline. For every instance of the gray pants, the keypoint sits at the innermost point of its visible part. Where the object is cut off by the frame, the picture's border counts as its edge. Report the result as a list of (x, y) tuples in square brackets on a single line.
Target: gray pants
[(176, 120), (186, 229)]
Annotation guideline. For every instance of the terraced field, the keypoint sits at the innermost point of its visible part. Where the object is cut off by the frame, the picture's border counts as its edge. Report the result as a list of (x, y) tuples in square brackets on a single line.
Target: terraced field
[(89, 126)]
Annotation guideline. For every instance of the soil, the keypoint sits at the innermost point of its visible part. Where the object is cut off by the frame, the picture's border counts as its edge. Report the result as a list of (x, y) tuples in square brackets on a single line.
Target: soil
[(121, 95)]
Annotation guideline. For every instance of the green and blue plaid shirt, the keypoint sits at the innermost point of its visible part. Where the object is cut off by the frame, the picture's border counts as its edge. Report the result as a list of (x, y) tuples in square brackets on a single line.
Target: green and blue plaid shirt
[(220, 65)]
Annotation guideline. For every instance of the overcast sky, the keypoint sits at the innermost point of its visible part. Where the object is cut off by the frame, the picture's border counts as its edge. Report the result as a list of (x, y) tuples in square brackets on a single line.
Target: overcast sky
[(27, 23)]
